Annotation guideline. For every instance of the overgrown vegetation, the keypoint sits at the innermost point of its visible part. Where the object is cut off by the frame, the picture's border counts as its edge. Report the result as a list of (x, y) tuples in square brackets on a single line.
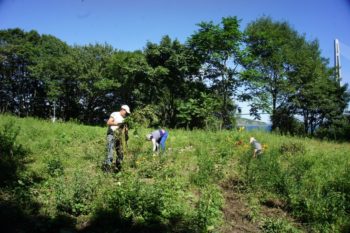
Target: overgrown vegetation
[(60, 185)]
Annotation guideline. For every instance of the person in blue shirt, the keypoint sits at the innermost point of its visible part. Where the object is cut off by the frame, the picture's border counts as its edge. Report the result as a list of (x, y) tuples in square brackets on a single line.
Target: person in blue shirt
[(158, 138)]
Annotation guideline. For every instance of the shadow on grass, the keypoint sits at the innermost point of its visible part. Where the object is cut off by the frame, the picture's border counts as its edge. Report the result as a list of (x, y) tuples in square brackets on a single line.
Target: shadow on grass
[(15, 218), (111, 221), (18, 211)]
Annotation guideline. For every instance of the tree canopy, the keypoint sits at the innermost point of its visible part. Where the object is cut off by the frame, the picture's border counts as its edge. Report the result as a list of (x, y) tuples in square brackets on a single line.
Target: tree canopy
[(192, 84)]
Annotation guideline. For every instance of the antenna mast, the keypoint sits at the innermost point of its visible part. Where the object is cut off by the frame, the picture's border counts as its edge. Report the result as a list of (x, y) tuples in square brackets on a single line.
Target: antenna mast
[(337, 61)]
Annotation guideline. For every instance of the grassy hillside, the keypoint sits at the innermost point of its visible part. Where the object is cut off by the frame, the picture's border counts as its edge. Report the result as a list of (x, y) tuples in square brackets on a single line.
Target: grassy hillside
[(52, 181)]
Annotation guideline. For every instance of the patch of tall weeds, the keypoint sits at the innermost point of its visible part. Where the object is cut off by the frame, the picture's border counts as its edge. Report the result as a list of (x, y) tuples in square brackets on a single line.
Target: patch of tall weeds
[(311, 183)]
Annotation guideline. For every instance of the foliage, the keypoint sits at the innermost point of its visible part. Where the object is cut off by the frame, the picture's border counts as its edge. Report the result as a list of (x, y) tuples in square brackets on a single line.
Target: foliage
[(74, 197), (285, 122), (55, 167), (144, 117), (338, 130), (219, 50), (292, 148), (268, 46), (278, 225), (303, 178), (208, 213), (189, 85), (198, 113), (12, 153), (286, 76)]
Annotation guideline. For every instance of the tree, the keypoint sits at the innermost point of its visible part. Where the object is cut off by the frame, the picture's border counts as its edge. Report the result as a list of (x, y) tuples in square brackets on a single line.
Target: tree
[(58, 69), (317, 96), (198, 112), (94, 82), (130, 71), (172, 76), (269, 46), (18, 89), (218, 47)]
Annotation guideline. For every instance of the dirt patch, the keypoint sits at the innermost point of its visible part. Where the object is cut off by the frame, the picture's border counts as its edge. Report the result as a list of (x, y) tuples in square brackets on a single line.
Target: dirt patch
[(237, 214), (236, 211)]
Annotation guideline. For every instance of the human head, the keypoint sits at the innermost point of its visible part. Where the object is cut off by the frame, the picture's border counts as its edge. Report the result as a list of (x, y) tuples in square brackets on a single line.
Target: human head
[(252, 139), (124, 109)]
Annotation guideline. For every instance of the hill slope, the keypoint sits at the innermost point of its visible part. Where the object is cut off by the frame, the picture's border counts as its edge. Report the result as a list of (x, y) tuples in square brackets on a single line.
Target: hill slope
[(52, 181)]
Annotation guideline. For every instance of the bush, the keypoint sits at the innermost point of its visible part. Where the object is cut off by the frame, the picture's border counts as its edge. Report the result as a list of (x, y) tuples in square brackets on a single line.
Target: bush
[(55, 167), (264, 173), (292, 148), (209, 169), (76, 196), (272, 225), (209, 214), (11, 154), (149, 203)]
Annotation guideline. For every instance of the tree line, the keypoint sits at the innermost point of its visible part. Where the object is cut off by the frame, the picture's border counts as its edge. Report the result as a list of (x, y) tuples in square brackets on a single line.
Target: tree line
[(194, 84)]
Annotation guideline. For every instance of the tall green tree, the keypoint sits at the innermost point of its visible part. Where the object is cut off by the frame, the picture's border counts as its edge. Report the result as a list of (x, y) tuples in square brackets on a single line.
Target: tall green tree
[(129, 72), (318, 97), (218, 47), (19, 91), (269, 46), (172, 76), (58, 68), (93, 81)]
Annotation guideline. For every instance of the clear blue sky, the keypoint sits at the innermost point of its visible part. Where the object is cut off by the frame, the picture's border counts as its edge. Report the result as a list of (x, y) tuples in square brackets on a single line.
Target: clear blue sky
[(129, 24)]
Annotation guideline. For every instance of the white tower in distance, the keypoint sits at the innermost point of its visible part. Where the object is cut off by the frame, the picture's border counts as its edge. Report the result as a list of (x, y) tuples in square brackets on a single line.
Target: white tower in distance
[(337, 61)]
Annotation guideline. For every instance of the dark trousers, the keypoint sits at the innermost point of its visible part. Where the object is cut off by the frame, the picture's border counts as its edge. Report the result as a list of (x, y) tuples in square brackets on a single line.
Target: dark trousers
[(115, 142)]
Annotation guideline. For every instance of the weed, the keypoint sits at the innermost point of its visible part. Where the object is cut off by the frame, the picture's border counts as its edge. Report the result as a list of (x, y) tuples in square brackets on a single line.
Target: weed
[(273, 225), (55, 167)]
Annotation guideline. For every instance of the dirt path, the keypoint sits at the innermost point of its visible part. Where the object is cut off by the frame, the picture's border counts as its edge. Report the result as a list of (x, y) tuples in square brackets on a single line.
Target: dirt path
[(236, 212)]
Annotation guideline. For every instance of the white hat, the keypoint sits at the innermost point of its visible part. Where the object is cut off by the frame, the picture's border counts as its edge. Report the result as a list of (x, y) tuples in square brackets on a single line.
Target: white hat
[(126, 108), (251, 139)]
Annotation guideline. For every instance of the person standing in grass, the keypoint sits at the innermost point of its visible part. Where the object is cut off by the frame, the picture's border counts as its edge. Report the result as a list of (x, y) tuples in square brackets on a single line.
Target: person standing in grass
[(117, 136), (256, 146), (158, 138)]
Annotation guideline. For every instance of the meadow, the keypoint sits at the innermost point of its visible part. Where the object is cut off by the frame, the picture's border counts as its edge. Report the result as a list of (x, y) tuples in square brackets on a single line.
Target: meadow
[(207, 181)]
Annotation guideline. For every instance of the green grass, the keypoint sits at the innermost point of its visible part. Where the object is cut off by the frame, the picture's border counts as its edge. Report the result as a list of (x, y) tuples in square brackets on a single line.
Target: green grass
[(58, 183)]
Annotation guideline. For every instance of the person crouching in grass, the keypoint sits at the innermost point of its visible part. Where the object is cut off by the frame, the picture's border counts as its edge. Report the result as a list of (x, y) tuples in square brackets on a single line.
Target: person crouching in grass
[(256, 146), (158, 138)]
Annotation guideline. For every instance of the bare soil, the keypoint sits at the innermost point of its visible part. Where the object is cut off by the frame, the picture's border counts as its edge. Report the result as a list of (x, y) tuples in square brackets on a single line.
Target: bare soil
[(237, 214)]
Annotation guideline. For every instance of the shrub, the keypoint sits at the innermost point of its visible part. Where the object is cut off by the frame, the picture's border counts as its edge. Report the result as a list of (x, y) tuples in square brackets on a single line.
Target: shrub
[(11, 154), (147, 203), (76, 196), (209, 214), (209, 169), (272, 225), (292, 148), (55, 167)]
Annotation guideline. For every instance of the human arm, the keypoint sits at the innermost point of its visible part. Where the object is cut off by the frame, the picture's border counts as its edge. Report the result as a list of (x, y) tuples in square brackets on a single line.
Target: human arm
[(113, 122), (154, 142)]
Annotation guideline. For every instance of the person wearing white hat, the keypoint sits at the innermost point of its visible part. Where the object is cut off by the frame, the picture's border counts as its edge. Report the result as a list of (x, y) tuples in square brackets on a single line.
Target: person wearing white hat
[(116, 133), (256, 146)]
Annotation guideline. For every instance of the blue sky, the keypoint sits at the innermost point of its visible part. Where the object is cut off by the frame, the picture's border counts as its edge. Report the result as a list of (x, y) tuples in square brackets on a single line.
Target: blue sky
[(129, 24)]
